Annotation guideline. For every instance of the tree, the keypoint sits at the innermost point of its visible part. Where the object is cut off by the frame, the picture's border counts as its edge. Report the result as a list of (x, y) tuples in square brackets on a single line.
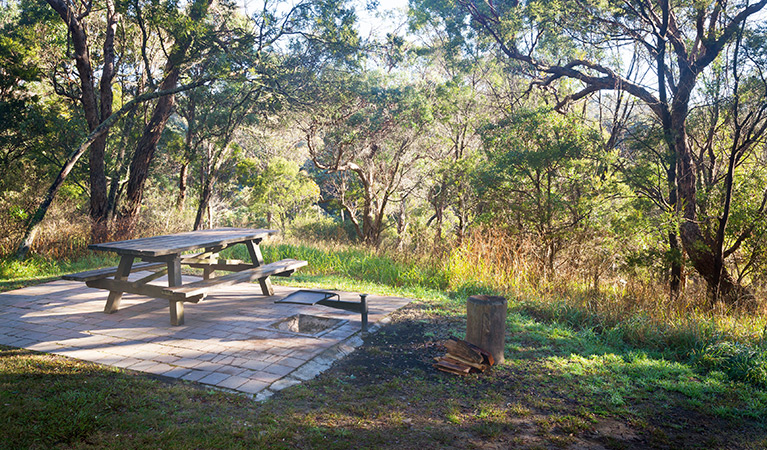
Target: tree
[(580, 43), (280, 189), (541, 178), (96, 107), (371, 132), (315, 30), (188, 30)]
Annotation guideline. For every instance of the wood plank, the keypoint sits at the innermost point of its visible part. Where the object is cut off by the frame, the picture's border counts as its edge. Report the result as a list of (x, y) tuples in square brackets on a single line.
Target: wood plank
[(133, 287), (227, 267), (176, 306), (452, 368), (258, 260), (182, 242), (123, 271), (463, 350), (150, 290), (109, 271), (245, 276)]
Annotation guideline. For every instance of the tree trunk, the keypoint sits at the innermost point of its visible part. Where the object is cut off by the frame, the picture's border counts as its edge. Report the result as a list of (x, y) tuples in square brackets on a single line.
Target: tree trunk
[(183, 176), (79, 36), (438, 201), (674, 244), (147, 145), (98, 180), (205, 194), (34, 222), (42, 210), (700, 247)]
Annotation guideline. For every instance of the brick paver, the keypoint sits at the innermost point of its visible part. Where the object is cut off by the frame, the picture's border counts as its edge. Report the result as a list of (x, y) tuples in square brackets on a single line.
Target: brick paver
[(225, 341)]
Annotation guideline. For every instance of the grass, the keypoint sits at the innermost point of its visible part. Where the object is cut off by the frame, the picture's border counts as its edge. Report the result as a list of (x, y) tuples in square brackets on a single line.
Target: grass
[(729, 342), (15, 274), (559, 386), (572, 377)]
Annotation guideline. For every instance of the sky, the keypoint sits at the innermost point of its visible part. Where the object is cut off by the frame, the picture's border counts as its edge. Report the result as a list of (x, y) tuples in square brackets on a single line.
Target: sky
[(389, 15)]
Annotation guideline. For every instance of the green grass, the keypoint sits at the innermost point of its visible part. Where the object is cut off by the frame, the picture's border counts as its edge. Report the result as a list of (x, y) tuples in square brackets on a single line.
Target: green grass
[(15, 274), (566, 377), (712, 344), (558, 386)]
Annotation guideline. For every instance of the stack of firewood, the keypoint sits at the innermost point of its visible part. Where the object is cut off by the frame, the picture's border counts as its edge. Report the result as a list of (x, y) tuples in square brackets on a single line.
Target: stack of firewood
[(463, 358)]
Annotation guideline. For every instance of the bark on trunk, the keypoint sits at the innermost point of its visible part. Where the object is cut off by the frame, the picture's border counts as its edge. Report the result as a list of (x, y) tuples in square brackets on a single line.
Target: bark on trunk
[(94, 117), (183, 176), (147, 145), (98, 180), (699, 246), (204, 202)]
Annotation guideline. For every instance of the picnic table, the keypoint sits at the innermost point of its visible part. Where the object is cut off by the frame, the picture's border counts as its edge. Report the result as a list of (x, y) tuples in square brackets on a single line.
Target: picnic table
[(164, 255)]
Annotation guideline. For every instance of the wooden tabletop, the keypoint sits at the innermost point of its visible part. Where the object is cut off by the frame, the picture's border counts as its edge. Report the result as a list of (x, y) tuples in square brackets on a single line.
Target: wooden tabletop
[(180, 242)]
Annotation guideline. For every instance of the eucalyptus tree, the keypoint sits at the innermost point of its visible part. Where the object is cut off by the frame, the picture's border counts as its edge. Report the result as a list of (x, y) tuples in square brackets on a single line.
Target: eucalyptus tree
[(582, 46), (96, 100), (370, 133), (464, 103), (541, 178), (278, 187), (269, 52), (226, 107), (728, 141), (194, 37), (77, 82)]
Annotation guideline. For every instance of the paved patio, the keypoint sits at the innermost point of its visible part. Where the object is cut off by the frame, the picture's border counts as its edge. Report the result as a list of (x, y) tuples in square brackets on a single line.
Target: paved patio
[(226, 340)]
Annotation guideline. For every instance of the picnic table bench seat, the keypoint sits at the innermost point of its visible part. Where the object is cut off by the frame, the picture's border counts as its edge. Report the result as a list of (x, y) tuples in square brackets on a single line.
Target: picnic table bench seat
[(90, 275), (194, 291), (95, 274)]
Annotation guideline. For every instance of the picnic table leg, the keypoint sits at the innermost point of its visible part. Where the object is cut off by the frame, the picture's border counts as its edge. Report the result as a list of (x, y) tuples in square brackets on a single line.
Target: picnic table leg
[(212, 255), (123, 270), (174, 279), (258, 259)]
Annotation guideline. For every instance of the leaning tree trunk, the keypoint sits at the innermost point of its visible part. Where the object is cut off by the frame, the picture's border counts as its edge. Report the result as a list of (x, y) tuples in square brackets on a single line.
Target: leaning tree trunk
[(34, 223), (147, 145)]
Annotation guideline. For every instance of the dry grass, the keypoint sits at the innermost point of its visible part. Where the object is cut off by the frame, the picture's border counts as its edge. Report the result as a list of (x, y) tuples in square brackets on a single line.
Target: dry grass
[(640, 310)]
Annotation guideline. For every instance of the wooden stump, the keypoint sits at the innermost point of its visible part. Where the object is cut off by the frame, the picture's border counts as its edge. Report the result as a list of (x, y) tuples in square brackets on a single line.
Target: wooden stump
[(486, 324)]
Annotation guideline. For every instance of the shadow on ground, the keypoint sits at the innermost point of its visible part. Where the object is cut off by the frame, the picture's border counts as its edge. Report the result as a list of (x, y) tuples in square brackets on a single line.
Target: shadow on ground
[(558, 389)]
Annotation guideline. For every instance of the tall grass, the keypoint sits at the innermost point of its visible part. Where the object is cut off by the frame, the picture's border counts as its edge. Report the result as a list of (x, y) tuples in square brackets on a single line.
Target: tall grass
[(632, 311), (358, 263), (636, 313)]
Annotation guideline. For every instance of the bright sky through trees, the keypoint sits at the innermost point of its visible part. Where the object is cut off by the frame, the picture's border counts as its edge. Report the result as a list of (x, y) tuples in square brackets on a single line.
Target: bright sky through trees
[(375, 18)]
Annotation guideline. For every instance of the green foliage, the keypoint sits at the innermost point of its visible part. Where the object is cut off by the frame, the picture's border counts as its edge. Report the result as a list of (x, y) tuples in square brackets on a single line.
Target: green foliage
[(542, 177), (739, 361), (281, 189), (371, 135)]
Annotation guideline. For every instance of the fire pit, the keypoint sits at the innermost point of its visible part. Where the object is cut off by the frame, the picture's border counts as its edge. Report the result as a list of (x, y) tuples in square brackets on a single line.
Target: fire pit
[(306, 325)]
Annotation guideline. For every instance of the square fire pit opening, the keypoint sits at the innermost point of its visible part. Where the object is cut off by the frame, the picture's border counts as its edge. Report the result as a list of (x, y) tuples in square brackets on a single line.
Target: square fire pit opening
[(306, 325)]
